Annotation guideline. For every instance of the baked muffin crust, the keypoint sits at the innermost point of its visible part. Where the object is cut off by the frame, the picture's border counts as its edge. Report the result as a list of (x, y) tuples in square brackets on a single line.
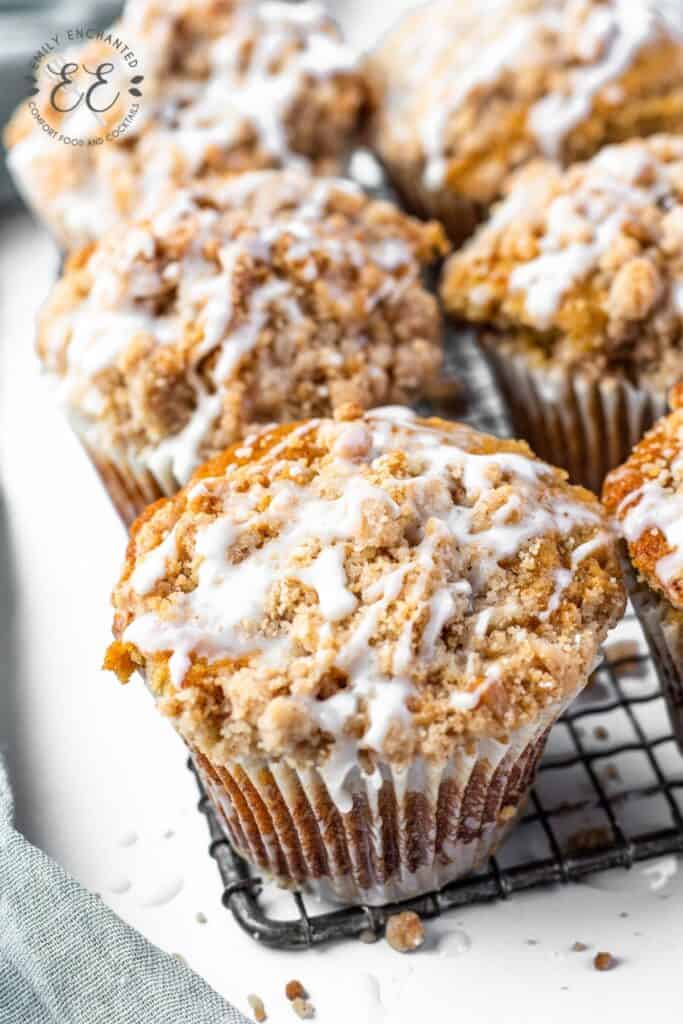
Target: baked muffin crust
[(377, 584), (645, 495), (584, 269), (228, 87), (272, 296), (467, 93)]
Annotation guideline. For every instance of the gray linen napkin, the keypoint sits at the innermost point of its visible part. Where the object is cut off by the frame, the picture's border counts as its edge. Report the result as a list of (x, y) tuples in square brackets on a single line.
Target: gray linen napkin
[(65, 958)]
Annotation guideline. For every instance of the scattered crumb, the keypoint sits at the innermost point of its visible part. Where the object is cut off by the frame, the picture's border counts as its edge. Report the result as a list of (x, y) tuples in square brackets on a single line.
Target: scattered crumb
[(564, 988), (180, 958), (295, 990), (302, 1008), (579, 947), (589, 839), (405, 932), (532, 942), (200, 918), (624, 913), (600, 732), (613, 773), (169, 833), (604, 962), (368, 936), (257, 1008)]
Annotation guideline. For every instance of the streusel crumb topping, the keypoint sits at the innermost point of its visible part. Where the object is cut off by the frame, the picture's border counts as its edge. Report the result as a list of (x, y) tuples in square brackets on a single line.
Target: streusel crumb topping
[(270, 297), (585, 267), (467, 93), (374, 584), (227, 87), (646, 497)]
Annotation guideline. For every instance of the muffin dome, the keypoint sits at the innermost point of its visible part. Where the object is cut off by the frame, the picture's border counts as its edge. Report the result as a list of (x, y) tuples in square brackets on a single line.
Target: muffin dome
[(467, 93), (270, 297), (227, 87), (377, 585), (646, 497), (585, 268)]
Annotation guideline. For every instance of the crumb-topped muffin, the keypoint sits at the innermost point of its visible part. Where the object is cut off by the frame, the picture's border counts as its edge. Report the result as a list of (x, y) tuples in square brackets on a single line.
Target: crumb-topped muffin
[(364, 629), (226, 87), (270, 297), (645, 496), (468, 93), (577, 281)]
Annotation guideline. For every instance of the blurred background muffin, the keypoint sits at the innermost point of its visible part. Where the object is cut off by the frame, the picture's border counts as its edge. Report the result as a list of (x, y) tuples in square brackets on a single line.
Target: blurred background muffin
[(226, 87), (466, 93), (577, 285), (270, 297), (364, 630)]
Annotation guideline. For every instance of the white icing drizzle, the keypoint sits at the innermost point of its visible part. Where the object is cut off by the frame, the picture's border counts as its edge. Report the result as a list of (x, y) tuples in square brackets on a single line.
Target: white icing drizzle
[(151, 568), (305, 541)]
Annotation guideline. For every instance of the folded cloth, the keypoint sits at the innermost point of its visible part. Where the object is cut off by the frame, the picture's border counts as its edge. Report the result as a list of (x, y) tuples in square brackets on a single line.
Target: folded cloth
[(65, 958)]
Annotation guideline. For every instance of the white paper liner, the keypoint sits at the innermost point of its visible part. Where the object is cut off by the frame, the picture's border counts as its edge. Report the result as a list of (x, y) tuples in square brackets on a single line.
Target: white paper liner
[(131, 485), (665, 637), (585, 424), (422, 827)]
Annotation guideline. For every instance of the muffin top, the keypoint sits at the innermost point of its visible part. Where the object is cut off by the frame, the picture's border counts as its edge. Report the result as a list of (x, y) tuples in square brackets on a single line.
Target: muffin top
[(227, 87), (646, 497), (468, 92), (374, 584), (586, 266), (272, 296)]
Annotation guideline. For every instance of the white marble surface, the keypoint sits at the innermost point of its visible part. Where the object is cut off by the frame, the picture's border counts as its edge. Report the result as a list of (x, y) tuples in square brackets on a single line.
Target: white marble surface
[(101, 782)]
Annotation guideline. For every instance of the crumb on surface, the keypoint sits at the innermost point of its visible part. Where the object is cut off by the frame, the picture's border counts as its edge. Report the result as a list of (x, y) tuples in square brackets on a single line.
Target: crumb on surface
[(257, 1008), (579, 947), (303, 1008), (604, 961), (295, 990), (200, 917), (405, 932)]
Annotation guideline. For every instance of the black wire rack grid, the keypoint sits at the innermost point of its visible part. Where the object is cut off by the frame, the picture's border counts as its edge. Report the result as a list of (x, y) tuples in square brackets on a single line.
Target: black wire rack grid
[(582, 815)]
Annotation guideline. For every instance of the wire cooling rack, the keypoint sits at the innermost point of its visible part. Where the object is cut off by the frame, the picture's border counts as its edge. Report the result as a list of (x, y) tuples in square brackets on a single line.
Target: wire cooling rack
[(609, 790)]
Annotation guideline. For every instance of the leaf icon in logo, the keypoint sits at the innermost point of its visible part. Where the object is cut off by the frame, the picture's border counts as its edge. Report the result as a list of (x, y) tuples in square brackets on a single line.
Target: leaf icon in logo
[(137, 79), (135, 92)]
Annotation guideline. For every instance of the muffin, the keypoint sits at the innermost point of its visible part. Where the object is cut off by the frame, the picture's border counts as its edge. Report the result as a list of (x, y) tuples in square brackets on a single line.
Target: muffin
[(645, 496), (577, 287), (467, 93), (227, 87), (364, 628), (269, 297)]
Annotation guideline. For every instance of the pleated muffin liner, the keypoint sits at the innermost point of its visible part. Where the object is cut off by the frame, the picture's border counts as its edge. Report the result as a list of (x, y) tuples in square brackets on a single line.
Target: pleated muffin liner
[(585, 424), (424, 826), (131, 486), (664, 633)]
